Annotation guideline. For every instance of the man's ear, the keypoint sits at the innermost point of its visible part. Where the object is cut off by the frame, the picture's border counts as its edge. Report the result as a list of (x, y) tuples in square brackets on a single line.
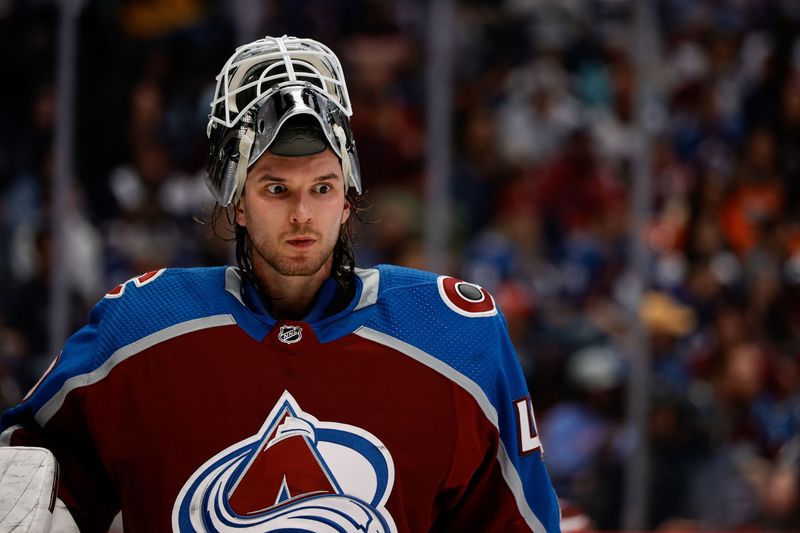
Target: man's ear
[(345, 211), (241, 215)]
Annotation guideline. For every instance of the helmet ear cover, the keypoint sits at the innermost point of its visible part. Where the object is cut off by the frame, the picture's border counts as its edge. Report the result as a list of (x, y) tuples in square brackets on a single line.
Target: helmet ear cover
[(221, 165), (222, 162)]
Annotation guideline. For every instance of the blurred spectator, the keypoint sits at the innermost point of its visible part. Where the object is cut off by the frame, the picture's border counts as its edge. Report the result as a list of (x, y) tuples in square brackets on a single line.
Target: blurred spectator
[(24, 330), (538, 114), (788, 138), (584, 439), (392, 228), (153, 19), (157, 205), (756, 197), (613, 127)]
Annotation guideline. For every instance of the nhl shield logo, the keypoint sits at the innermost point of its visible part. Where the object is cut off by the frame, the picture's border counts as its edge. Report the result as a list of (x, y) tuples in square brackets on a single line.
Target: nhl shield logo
[(296, 474), (290, 334)]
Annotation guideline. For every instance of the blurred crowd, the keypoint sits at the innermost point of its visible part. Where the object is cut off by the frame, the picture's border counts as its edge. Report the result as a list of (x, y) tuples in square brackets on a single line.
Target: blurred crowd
[(546, 138)]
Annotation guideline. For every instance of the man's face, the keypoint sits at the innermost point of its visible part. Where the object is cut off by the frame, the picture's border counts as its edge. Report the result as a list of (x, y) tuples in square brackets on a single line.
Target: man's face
[(293, 209)]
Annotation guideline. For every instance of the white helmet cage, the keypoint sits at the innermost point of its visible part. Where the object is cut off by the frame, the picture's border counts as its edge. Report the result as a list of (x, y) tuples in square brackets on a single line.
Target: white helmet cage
[(261, 86)]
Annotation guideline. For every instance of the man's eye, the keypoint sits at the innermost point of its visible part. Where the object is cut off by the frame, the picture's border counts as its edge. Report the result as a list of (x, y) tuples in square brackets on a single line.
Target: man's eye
[(323, 188), (276, 188)]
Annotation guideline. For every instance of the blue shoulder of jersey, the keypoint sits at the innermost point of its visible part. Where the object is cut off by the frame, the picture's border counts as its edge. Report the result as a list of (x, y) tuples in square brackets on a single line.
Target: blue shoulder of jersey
[(155, 301), (453, 321), (132, 311)]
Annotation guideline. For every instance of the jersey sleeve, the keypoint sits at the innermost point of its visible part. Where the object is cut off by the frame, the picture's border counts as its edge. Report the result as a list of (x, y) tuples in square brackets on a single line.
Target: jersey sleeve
[(49, 418), (498, 479)]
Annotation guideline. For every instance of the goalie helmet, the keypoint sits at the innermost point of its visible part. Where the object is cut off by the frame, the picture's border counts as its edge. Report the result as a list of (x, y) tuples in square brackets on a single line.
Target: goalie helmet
[(263, 85)]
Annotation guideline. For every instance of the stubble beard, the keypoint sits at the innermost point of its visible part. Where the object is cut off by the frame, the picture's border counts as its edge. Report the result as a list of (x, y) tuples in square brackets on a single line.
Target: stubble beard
[(280, 262)]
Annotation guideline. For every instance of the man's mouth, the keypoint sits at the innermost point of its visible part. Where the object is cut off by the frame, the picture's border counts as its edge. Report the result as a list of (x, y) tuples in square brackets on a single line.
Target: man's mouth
[(301, 242)]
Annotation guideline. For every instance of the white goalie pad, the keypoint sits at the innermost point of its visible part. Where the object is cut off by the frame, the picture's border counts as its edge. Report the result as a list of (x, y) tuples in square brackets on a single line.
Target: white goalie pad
[(28, 485)]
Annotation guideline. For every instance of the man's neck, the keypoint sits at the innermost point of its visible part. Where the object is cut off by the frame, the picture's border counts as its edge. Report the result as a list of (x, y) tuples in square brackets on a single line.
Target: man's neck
[(290, 297)]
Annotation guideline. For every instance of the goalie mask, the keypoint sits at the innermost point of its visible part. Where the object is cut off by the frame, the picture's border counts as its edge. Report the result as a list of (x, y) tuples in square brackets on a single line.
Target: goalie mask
[(262, 86)]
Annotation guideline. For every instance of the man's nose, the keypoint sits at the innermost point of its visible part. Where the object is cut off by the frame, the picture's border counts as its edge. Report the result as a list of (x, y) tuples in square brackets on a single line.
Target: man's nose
[(301, 210)]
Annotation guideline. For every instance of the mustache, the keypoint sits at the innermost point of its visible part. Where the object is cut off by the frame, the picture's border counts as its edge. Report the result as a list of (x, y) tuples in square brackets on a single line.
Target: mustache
[(301, 232)]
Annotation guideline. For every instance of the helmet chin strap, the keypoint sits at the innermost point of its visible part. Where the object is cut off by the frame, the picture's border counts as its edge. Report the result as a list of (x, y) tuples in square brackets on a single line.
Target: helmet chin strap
[(346, 169), (245, 144)]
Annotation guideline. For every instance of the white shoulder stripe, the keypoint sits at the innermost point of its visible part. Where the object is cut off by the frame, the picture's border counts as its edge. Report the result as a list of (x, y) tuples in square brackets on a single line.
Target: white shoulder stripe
[(370, 279), (233, 283), (506, 466), (44, 414)]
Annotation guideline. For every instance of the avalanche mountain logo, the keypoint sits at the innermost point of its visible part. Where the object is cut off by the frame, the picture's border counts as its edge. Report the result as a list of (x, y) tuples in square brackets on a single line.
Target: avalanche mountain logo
[(295, 474)]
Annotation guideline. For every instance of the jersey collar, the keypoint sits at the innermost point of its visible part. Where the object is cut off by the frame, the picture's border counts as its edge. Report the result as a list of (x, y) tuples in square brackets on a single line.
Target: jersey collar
[(250, 313)]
